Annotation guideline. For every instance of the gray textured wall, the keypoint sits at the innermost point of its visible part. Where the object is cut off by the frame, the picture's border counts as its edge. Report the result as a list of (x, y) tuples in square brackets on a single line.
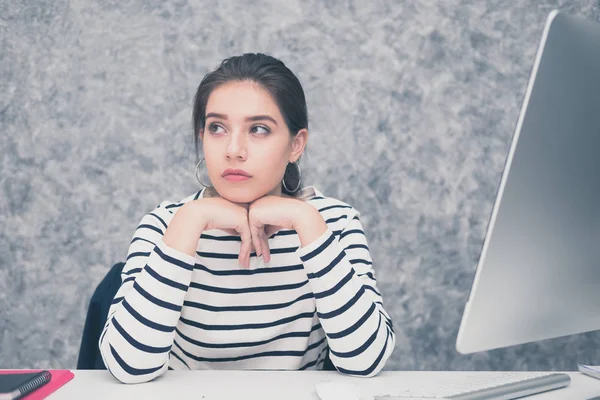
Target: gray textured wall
[(412, 107)]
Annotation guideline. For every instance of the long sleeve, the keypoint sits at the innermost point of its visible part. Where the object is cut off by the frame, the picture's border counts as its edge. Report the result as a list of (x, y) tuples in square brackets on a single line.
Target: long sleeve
[(136, 341), (359, 331)]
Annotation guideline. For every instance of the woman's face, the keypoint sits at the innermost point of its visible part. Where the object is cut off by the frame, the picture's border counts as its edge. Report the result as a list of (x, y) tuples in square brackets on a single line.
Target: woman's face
[(246, 142)]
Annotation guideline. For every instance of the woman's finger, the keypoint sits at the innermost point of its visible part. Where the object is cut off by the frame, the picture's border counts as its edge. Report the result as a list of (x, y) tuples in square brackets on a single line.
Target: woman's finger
[(266, 251), (255, 233), (244, 257)]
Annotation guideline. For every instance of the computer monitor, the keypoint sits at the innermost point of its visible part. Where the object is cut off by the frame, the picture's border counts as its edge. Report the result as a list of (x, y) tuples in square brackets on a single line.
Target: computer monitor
[(538, 275)]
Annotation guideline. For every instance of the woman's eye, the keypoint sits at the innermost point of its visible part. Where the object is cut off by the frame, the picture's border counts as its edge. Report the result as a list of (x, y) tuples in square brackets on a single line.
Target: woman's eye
[(260, 129), (214, 128)]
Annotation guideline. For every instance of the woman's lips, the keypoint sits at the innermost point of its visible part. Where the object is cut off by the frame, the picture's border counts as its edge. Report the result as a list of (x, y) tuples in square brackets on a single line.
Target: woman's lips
[(236, 177)]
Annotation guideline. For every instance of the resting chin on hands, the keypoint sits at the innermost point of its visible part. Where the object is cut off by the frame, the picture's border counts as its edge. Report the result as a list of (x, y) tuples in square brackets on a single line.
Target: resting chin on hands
[(254, 223)]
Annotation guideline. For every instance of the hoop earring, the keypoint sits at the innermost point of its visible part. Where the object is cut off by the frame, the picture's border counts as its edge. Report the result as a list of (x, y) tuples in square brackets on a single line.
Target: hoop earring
[(197, 172), (299, 179)]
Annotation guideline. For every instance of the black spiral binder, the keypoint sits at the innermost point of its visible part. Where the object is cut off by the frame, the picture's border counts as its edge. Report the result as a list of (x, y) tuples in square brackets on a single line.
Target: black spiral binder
[(36, 383)]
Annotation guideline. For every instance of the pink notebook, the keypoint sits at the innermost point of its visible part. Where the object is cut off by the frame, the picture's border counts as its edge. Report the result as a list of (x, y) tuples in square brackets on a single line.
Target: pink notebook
[(59, 378)]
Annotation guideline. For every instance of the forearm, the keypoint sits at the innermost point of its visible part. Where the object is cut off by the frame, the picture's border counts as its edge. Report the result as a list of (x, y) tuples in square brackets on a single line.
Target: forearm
[(139, 332), (140, 329), (359, 335), (185, 229), (309, 225), (359, 331)]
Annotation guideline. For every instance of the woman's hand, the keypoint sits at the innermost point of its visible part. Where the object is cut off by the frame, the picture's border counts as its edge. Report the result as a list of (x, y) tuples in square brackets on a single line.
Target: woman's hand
[(254, 223), (218, 213), (270, 214)]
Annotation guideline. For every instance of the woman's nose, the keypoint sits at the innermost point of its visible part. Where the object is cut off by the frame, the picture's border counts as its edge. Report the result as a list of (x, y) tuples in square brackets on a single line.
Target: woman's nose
[(237, 147)]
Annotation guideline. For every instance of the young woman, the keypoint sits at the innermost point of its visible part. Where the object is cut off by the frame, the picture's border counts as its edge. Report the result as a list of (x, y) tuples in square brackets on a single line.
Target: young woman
[(254, 271)]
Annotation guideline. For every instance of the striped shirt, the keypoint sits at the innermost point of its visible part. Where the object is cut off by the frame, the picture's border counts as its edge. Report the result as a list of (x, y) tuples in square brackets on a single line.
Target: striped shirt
[(175, 311)]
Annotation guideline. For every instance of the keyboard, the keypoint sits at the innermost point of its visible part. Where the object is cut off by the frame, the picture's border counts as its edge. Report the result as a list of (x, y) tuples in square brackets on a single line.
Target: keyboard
[(480, 386)]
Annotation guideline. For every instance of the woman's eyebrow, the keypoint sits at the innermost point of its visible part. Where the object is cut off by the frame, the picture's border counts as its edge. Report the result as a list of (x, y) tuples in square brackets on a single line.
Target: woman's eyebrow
[(261, 117), (247, 119)]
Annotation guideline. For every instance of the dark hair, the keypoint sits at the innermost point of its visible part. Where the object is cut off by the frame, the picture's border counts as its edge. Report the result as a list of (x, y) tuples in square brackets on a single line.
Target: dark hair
[(273, 76)]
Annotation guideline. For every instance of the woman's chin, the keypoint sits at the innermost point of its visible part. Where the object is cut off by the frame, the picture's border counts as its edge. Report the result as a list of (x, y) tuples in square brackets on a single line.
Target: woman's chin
[(240, 195)]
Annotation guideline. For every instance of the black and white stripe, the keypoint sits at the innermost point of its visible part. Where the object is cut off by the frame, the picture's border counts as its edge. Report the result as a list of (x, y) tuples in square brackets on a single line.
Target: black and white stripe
[(174, 311)]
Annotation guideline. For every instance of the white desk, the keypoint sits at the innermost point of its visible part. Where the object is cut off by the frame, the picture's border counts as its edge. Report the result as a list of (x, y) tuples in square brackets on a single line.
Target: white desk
[(263, 385)]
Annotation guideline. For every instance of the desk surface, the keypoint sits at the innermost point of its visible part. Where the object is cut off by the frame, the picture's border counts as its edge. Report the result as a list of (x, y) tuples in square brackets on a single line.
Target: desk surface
[(263, 385)]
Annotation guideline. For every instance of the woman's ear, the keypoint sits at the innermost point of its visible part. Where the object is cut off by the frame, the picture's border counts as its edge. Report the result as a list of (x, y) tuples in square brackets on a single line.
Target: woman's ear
[(298, 144), (201, 134)]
